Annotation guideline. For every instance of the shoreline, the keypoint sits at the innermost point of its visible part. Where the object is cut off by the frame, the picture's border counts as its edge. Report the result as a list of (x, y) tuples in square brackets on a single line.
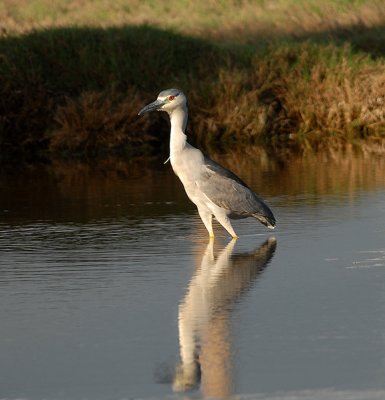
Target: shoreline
[(75, 91)]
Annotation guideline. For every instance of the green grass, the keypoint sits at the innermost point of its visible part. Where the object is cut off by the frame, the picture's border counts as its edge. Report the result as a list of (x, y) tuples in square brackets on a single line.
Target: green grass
[(213, 17), (287, 74)]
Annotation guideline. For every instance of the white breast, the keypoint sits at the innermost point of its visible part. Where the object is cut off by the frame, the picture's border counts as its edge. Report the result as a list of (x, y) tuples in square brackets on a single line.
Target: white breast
[(188, 165)]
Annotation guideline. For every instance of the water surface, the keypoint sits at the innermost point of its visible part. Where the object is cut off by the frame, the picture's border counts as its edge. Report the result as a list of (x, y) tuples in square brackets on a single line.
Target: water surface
[(110, 288)]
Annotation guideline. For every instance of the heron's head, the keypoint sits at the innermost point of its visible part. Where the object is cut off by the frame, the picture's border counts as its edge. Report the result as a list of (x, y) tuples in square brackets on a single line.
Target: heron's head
[(168, 100)]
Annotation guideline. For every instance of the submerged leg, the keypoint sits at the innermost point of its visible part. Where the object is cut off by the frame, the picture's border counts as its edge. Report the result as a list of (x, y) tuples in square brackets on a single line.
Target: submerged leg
[(207, 219), (223, 219)]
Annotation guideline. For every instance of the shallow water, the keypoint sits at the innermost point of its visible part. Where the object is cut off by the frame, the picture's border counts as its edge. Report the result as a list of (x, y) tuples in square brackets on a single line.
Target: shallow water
[(110, 288)]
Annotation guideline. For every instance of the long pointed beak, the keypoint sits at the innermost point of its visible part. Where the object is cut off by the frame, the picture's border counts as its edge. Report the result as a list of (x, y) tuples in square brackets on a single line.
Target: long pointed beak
[(155, 105)]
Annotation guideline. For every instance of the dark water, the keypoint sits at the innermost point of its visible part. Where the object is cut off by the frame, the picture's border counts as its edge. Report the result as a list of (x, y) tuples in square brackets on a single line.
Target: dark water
[(110, 288)]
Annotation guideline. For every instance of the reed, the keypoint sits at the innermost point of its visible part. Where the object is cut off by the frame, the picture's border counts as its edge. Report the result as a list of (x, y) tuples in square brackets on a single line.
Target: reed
[(313, 82)]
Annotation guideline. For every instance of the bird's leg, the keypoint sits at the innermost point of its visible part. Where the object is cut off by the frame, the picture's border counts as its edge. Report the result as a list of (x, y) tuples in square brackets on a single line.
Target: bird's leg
[(208, 256), (223, 219), (207, 219)]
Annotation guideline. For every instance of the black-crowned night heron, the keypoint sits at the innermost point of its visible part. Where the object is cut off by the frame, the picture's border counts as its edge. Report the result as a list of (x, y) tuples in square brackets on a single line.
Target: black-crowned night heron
[(217, 284), (212, 188)]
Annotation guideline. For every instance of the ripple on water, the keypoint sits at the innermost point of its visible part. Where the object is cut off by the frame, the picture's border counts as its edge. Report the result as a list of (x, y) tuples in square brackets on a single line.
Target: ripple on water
[(369, 259), (74, 257), (96, 287)]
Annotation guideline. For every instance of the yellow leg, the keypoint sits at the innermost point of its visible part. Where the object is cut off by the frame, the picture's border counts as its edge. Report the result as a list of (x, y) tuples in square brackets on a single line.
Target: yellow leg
[(207, 219), (225, 222)]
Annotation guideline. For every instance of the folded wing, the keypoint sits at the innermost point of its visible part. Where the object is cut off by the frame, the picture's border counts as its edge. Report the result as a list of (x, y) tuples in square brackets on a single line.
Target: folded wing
[(228, 191)]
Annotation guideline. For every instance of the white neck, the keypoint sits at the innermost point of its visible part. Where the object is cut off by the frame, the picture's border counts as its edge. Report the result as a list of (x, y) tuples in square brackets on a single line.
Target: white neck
[(178, 139)]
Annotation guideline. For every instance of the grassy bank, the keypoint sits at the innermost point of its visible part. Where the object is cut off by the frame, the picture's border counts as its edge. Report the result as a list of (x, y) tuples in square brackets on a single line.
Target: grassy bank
[(282, 73)]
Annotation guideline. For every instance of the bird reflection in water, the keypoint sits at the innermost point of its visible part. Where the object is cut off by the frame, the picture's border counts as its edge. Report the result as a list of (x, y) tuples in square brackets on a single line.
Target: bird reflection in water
[(204, 316)]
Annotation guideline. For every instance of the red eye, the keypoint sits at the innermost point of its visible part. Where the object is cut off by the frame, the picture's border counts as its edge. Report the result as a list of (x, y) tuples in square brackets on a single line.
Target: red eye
[(171, 98)]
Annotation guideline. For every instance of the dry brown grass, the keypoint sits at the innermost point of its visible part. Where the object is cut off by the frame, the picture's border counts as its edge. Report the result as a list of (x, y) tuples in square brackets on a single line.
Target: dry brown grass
[(245, 107), (22, 110), (99, 122), (304, 75), (302, 97), (337, 105)]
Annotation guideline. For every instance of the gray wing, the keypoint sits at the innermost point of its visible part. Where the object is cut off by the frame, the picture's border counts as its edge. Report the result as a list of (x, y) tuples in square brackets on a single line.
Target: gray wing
[(228, 191)]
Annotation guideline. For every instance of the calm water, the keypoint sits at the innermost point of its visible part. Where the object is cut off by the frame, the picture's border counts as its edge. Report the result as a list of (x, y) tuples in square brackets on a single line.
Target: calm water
[(110, 289)]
